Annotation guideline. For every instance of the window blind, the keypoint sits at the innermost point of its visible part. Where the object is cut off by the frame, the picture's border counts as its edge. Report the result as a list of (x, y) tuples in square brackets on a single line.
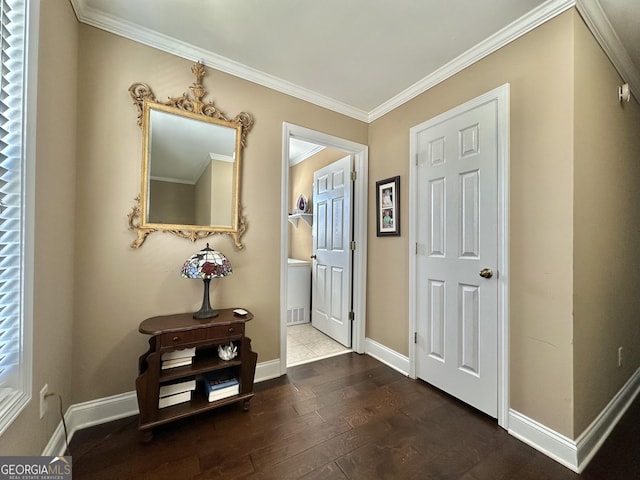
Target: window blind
[(12, 86)]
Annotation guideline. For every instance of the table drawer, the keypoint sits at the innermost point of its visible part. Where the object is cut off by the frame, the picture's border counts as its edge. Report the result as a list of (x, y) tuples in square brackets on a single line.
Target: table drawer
[(225, 331), (201, 335)]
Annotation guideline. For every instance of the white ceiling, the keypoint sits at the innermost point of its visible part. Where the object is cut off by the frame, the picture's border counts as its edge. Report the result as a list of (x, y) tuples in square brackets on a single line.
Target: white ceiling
[(196, 144), (299, 150), (624, 16), (357, 57)]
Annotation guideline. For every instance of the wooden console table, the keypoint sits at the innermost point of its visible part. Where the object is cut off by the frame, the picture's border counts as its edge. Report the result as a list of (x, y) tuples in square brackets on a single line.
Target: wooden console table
[(170, 333)]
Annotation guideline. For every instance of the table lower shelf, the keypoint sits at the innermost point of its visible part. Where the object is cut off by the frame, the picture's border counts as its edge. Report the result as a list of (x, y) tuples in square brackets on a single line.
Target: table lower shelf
[(196, 405)]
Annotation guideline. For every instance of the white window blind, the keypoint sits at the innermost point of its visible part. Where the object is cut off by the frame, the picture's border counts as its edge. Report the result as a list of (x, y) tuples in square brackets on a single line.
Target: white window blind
[(14, 380)]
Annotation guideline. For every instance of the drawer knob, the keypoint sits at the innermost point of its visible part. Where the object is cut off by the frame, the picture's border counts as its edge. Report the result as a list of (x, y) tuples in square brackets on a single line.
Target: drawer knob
[(176, 338), (230, 329)]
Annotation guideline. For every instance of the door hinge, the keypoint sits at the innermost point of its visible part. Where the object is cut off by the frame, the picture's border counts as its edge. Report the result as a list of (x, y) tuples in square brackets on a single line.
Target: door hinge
[(415, 337), (353, 245), (354, 176), (352, 316)]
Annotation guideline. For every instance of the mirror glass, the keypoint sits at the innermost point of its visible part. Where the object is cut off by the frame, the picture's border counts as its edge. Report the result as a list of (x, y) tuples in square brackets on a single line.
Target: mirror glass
[(192, 171)]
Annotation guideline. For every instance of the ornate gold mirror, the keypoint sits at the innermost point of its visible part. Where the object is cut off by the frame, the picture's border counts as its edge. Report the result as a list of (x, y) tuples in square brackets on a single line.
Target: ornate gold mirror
[(191, 166)]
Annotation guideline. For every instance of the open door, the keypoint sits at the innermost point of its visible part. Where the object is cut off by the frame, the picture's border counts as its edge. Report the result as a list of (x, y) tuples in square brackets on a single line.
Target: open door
[(331, 279)]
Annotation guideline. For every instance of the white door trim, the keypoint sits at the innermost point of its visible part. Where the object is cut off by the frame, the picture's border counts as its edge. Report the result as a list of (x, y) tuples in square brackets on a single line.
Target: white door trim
[(359, 211), (501, 95)]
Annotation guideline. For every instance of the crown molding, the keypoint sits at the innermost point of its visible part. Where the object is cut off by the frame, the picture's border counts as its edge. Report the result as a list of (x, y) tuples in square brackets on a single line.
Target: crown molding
[(591, 11), (605, 35), (151, 38), (511, 32), (294, 160)]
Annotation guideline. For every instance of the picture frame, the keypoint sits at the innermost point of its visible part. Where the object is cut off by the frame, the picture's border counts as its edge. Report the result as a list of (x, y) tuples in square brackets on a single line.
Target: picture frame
[(388, 207)]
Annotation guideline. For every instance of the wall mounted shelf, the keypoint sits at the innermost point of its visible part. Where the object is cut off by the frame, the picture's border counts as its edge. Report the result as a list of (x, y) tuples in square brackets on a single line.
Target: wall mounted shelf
[(307, 217)]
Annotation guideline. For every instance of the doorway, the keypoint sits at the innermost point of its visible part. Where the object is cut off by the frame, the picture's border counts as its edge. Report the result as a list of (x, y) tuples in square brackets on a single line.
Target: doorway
[(319, 263), (458, 265), (359, 154)]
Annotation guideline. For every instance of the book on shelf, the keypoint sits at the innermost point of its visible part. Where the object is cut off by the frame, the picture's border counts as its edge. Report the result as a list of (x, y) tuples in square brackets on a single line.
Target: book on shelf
[(184, 353), (176, 362), (220, 393), (177, 387), (219, 385), (220, 378), (223, 393), (174, 399)]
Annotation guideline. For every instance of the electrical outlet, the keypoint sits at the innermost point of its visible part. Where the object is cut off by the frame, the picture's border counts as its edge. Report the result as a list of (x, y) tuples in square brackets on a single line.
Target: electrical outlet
[(619, 357), (43, 400)]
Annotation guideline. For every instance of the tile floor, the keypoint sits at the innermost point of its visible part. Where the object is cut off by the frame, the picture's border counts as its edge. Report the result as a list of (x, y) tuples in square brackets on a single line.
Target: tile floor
[(306, 344)]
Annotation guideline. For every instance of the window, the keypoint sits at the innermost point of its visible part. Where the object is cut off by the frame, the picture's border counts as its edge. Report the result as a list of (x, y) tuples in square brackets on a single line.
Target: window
[(16, 256)]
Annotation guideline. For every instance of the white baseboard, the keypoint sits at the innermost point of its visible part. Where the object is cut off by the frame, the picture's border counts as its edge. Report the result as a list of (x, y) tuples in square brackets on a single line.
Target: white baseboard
[(576, 454), (590, 441), (57, 445), (267, 370), (108, 409), (88, 414), (573, 454), (387, 356), (543, 439)]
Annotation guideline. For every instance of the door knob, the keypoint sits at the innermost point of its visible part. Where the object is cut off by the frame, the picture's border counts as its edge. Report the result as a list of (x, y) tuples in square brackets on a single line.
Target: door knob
[(313, 257), (486, 273)]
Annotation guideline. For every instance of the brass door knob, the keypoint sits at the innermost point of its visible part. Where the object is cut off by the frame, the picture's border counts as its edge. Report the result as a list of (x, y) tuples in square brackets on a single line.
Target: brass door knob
[(313, 257), (486, 273)]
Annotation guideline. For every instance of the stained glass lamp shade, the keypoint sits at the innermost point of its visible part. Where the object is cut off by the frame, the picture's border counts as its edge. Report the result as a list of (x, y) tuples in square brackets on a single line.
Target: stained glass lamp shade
[(206, 264)]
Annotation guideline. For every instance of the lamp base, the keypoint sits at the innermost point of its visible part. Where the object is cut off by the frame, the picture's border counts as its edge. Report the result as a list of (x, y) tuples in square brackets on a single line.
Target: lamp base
[(200, 314), (205, 310)]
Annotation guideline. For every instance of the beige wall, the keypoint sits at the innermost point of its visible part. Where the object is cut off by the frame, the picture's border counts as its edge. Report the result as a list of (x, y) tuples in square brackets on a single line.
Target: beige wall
[(54, 228), (203, 198), (301, 183), (130, 285), (222, 176), (118, 286), (607, 237), (538, 68), (173, 202), (121, 286)]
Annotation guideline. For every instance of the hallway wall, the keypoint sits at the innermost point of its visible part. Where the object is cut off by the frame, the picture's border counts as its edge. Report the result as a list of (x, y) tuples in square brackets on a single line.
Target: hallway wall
[(538, 67)]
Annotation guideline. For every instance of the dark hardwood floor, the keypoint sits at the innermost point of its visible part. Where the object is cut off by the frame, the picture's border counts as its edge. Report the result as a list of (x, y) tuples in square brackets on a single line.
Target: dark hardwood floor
[(346, 417)]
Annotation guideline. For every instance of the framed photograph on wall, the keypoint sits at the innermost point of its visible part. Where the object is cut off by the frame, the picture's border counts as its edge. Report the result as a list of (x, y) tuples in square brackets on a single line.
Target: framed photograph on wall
[(388, 207)]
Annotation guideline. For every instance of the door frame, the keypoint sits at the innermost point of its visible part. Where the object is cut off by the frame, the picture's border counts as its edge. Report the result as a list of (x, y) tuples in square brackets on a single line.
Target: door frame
[(501, 96), (359, 212)]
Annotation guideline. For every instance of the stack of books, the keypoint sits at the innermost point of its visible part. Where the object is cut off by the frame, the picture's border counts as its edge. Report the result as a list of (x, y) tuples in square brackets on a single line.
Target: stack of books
[(178, 358), (176, 392), (218, 386)]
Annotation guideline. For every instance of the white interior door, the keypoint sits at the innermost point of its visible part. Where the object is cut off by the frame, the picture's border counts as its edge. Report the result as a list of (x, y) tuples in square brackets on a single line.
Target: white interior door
[(331, 279), (457, 253)]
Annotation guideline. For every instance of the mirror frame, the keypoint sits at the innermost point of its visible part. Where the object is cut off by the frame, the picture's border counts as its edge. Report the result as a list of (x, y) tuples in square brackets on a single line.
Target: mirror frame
[(194, 108)]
